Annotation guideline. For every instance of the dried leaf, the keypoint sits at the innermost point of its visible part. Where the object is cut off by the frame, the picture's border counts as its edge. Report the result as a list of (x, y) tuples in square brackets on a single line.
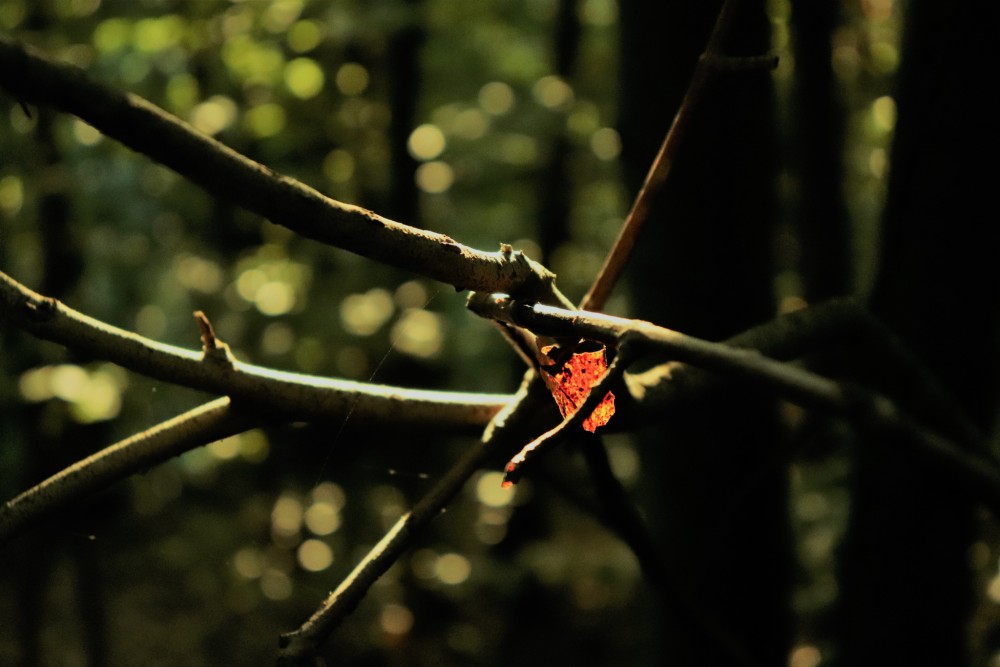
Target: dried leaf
[(570, 381)]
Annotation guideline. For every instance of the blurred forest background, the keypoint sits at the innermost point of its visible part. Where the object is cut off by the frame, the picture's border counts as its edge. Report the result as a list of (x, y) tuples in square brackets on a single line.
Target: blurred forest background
[(530, 122)]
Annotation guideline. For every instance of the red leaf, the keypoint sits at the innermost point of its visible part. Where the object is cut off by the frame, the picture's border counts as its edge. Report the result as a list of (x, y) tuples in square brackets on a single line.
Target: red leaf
[(571, 380)]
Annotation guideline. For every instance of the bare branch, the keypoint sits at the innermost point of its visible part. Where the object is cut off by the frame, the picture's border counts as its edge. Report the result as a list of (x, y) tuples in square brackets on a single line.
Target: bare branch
[(711, 62), (799, 386), (148, 129), (285, 395), (200, 426)]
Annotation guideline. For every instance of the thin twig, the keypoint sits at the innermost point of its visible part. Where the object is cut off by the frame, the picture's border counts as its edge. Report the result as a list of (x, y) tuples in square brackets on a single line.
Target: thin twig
[(200, 426), (711, 62), (790, 382), (148, 129), (285, 395)]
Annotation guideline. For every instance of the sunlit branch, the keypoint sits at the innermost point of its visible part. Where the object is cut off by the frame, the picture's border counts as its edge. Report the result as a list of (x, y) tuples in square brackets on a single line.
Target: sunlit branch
[(148, 129), (283, 395), (711, 62), (200, 426), (795, 384)]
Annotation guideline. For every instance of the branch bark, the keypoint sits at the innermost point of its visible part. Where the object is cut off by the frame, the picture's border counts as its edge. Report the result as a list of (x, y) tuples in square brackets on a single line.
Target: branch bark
[(284, 395), (200, 426), (218, 169)]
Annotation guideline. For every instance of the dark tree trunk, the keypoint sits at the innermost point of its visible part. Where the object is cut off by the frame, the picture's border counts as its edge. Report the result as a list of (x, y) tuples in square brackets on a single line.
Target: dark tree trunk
[(404, 65), (715, 479), (818, 210), (906, 593), (555, 186)]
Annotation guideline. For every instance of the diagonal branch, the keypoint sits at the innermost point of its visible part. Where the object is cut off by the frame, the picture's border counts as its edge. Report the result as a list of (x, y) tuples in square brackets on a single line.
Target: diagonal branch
[(148, 129), (200, 426), (300, 646), (711, 62)]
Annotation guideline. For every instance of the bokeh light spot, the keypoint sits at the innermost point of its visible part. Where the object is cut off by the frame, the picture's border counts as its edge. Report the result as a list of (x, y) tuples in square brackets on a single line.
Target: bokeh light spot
[(434, 177), (249, 282), (182, 92), (275, 585), (112, 35), (552, 92), (86, 134), (265, 120), (304, 36), (254, 447), (286, 516), (606, 143), (411, 294), (100, 401), (884, 113), (156, 34), (304, 78), (274, 298), (396, 619), (277, 339), (35, 384), (519, 150), (338, 166), (600, 13), (352, 79), (624, 461), (68, 381), (419, 333), (322, 518), (314, 555), (248, 563), (496, 98), (993, 589), (804, 656), (213, 115), (330, 493), (197, 273), (280, 14), (426, 142), (490, 491), (470, 124), (11, 194), (452, 569), (364, 314)]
